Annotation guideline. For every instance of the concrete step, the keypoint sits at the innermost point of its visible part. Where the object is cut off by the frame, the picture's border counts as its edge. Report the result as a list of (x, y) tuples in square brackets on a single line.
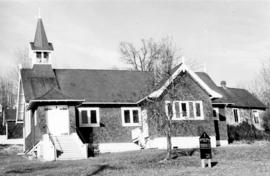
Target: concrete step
[(69, 146)]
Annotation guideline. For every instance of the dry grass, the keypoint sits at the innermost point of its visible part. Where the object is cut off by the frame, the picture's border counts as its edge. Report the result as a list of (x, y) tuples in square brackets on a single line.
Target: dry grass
[(253, 159)]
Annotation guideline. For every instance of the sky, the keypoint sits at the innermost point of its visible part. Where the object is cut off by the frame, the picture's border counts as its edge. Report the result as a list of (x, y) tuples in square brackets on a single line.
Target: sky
[(232, 38)]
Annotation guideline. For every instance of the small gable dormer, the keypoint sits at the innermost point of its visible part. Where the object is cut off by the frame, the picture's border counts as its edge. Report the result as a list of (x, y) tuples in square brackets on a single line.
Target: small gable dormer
[(40, 50)]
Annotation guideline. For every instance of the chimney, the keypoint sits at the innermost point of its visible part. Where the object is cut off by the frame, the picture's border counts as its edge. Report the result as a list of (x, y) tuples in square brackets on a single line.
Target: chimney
[(223, 84)]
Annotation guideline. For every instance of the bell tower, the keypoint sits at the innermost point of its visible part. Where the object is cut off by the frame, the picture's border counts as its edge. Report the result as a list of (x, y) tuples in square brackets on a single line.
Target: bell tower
[(40, 50)]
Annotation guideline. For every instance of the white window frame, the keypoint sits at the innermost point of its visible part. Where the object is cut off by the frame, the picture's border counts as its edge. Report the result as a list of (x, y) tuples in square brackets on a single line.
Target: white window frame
[(217, 112), (238, 113), (201, 110), (88, 109), (131, 116), (181, 110), (188, 117), (253, 116), (174, 109)]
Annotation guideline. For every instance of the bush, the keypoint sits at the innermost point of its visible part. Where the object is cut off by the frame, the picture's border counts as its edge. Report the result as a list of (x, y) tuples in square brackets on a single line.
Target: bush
[(2, 130), (15, 130), (246, 131), (266, 121)]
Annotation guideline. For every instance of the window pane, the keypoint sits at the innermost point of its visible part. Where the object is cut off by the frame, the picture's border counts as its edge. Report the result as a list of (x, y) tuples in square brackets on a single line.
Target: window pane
[(184, 109), (45, 55), (214, 113), (135, 116), (235, 112), (127, 116), (93, 116), (198, 109), (256, 116), (177, 109), (38, 54), (84, 117), (256, 120), (169, 109)]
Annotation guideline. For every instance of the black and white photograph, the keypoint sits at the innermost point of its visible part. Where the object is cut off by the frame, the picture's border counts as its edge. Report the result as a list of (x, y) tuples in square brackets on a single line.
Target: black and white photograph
[(134, 87)]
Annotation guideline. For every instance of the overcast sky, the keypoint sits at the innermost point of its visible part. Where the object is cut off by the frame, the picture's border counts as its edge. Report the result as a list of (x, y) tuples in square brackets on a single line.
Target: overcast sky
[(231, 37)]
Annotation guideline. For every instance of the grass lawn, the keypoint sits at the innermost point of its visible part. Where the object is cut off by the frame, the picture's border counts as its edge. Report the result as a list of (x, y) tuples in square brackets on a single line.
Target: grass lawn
[(242, 159)]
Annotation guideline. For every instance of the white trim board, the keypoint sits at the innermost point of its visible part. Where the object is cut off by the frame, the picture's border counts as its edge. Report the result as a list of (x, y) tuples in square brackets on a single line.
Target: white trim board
[(184, 68)]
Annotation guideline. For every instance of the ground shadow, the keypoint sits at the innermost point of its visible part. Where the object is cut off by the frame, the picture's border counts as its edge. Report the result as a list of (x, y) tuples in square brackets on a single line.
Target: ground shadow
[(102, 168), (58, 153), (23, 170), (213, 164)]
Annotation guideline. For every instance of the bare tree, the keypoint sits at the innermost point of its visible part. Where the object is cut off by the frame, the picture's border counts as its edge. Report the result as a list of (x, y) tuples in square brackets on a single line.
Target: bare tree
[(159, 58), (142, 58), (260, 86), (9, 80)]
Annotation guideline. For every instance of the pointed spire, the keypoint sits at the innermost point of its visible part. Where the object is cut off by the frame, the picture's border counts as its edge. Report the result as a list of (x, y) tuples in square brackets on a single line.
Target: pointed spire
[(40, 36), (41, 41)]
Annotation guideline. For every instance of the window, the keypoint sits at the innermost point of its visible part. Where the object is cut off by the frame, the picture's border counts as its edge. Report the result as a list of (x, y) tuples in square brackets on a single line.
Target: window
[(185, 109), (198, 109), (89, 117), (168, 108), (131, 116), (177, 109), (38, 54), (255, 116), (45, 55), (236, 115)]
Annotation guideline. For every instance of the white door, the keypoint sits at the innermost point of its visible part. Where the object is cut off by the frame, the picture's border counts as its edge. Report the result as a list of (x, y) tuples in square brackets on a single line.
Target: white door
[(58, 120)]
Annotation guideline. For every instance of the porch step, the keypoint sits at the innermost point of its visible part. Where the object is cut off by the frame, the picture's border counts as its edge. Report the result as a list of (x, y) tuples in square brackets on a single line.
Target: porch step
[(68, 148)]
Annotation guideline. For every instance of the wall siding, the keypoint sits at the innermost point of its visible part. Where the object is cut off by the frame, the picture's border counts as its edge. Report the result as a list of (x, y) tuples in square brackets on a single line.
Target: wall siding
[(244, 115), (110, 130), (187, 90), (36, 130)]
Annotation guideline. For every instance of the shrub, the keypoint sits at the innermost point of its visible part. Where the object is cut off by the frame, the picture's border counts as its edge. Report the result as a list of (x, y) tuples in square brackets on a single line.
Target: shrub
[(2, 129), (266, 121), (15, 130), (245, 131)]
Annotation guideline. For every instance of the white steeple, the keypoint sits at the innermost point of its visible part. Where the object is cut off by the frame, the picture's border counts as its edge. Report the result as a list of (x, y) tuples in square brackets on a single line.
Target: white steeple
[(40, 50)]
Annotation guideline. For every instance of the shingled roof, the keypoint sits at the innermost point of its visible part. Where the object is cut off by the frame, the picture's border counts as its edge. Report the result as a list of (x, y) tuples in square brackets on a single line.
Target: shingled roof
[(234, 96), (40, 41), (99, 86)]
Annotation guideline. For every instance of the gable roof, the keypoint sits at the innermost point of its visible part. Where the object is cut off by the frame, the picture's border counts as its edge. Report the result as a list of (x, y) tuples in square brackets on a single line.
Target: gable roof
[(234, 96), (119, 86), (40, 41), (175, 72)]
